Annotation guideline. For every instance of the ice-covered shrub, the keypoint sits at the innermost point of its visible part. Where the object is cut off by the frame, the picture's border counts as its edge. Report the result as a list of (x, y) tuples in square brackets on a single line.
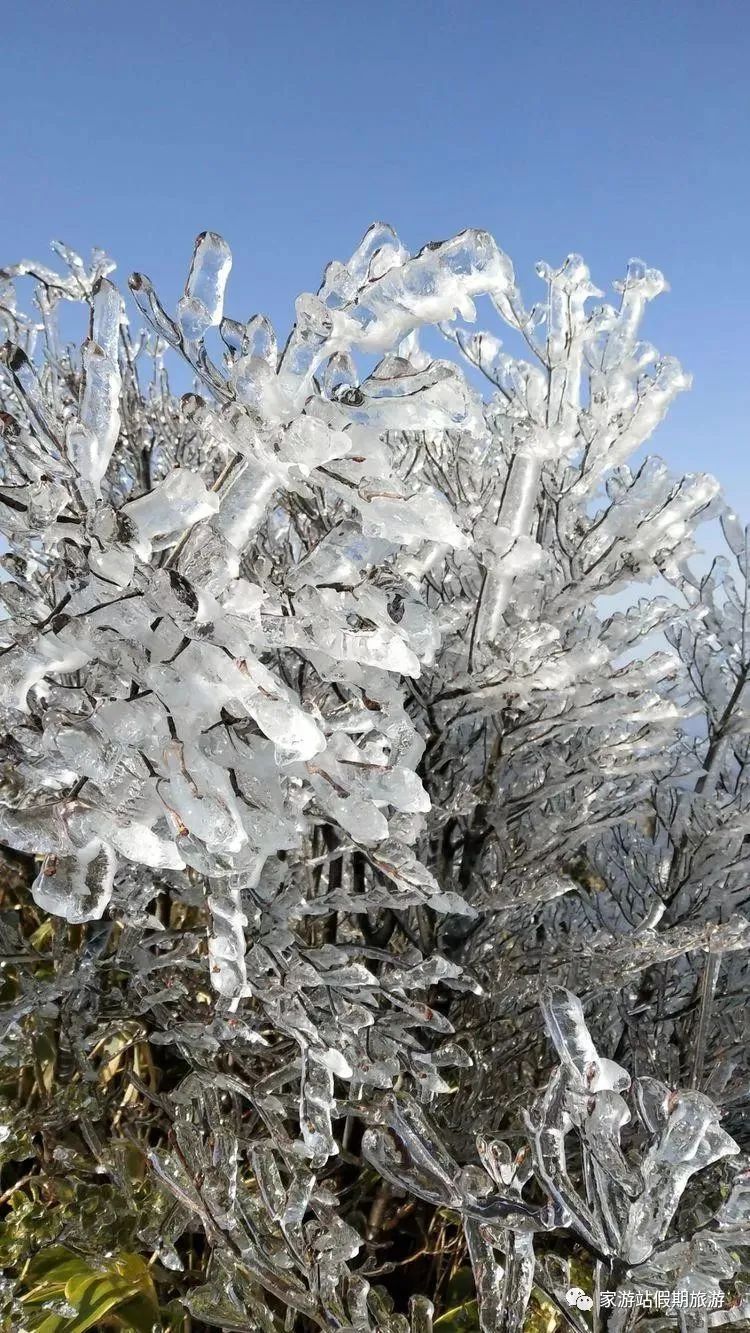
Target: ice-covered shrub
[(355, 704)]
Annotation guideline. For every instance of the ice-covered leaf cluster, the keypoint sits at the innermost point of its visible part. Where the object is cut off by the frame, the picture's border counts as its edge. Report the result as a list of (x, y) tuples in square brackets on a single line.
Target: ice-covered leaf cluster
[(355, 704)]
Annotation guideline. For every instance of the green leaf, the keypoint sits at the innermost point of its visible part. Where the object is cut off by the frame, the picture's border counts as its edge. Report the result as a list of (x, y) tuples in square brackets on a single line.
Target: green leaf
[(52, 1268), (123, 1291), (139, 1315), (76, 1287), (54, 1323), (134, 1269), (461, 1319), (95, 1299)]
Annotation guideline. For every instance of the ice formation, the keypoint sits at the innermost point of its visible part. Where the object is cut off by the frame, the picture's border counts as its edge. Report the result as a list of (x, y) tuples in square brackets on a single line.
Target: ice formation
[(317, 728)]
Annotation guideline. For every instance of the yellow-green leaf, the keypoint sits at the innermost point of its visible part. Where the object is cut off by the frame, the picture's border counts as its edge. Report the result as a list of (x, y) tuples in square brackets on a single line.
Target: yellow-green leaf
[(97, 1298), (49, 1271), (462, 1318), (75, 1287), (134, 1269)]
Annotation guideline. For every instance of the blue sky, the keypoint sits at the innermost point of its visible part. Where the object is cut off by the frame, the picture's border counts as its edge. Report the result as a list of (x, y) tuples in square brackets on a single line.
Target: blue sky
[(613, 129)]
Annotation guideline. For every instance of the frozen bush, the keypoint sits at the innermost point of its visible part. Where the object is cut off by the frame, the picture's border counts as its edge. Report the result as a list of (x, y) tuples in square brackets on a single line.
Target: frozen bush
[(324, 767)]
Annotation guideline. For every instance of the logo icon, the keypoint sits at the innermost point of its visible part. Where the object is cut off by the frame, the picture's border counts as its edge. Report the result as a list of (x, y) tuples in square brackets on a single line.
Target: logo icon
[(577, 1296)]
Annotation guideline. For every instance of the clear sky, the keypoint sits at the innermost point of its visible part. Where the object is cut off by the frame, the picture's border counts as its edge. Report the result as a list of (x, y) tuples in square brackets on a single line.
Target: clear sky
[(612, 129)]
